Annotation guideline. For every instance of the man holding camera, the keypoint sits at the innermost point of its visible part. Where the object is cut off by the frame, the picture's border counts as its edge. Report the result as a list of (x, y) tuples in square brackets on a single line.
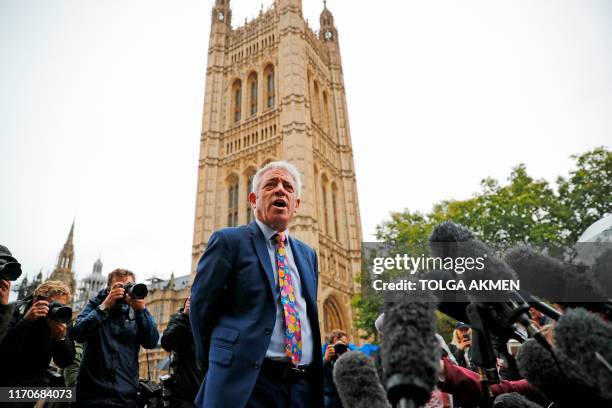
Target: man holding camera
[(178, 338), (10, 270), (113, 325), (338, 345), (37, 333)]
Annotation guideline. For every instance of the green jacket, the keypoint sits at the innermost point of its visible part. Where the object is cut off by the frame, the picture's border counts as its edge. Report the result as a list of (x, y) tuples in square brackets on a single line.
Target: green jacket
[(71, 372)]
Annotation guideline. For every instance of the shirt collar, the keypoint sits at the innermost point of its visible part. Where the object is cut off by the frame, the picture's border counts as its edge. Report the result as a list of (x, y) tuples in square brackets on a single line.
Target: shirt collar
[(269, 232)]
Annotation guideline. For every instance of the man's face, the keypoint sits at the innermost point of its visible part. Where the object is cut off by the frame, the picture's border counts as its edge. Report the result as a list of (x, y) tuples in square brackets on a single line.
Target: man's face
[(63, 299), (276, 200), (122, 280)]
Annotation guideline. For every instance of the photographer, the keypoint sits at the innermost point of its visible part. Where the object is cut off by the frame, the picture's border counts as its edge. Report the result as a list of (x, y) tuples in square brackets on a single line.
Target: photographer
[(338, 344), (460, 345), (37, 334), (6, 275), (113, 325), (178, 338)]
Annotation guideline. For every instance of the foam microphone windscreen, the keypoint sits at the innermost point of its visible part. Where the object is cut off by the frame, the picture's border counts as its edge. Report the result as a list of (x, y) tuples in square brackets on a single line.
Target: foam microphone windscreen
[(513, 400), (552, 279), (410, 350), (568, 388), (580, 334), (357, 382)]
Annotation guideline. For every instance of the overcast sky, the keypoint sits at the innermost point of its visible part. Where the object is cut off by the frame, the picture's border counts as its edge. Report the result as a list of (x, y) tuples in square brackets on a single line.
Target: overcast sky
[(101, 104)]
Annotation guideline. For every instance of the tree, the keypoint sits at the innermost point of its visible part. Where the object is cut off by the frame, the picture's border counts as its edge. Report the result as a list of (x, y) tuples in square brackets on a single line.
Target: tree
[(586, 195), (524, 210)]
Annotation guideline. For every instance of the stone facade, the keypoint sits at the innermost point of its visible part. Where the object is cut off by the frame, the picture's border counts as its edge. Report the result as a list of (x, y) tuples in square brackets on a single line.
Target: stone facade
[(275, 91)]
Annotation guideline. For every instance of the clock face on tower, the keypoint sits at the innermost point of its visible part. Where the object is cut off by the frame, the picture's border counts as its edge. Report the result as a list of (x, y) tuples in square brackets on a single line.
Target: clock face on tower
[(221, 16), (328, 35)]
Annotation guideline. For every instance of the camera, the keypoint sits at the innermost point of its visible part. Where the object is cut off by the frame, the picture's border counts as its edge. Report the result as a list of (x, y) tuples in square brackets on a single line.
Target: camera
[(340, 348), (10, 269), (59, 312), (136, 290)]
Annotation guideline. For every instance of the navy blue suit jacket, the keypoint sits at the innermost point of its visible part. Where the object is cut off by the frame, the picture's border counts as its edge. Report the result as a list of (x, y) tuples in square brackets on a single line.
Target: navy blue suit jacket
[(233, 313)]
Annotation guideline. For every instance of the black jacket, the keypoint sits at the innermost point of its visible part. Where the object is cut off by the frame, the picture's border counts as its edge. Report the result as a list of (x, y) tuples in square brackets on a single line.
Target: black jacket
[(109, 370), (6, 312), (178, 339), (28, 349)]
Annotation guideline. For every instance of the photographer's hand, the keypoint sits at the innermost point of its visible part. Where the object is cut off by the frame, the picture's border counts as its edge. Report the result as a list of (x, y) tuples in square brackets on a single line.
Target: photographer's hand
[(58, 330), (329, 353), (137, 304), (117, 292), (39, 309), (5, 291), (465, 344)]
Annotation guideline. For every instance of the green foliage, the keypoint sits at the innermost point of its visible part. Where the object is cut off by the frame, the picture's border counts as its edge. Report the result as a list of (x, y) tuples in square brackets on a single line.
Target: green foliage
[(524, 210)]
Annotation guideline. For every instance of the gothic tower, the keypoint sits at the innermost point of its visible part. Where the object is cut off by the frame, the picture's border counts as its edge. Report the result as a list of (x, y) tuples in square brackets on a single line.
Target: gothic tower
[(63, 269), (275, 91)]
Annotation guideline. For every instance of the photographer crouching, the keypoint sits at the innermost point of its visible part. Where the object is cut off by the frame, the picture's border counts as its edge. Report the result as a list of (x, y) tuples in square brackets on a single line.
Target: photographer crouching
[(37, 333), (113, 325)]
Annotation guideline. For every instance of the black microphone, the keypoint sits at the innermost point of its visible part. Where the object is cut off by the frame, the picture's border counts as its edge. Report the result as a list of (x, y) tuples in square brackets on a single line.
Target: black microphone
[(582, 334), (357, 382), (513, 400), (410, 350), (551, 279), (511, 307), (559, 378)]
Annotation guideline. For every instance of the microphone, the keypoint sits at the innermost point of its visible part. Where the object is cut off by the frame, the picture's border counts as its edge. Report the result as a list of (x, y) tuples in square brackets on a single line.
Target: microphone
[(557, 377), (513, 400), (549, 278), (582, 334), (410, 350), (357, 382), (511, 307)]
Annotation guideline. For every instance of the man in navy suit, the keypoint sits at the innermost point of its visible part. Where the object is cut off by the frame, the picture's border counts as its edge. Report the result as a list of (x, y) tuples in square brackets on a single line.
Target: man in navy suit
[(253, 306)]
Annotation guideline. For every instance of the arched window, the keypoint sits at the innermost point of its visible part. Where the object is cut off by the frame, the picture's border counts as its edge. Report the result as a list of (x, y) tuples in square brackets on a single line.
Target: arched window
[(334, 192), (332, 315), (325, 112), (237, 99), (325, 206), (270, 88), (232, 202), (249, 187), (316, 106), (253, 93)]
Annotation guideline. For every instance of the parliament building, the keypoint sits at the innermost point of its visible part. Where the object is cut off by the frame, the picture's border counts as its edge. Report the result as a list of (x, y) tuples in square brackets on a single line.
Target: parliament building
[(275, 91)]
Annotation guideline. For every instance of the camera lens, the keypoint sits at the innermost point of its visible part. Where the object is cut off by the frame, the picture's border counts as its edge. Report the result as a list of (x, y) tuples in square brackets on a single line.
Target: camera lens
[(10, 271)]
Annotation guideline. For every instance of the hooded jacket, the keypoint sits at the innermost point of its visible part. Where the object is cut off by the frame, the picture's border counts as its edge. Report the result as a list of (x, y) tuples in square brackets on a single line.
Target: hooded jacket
[(108, 375)]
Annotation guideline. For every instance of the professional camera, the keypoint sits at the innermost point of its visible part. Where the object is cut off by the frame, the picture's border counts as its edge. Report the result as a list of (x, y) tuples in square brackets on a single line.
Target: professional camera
[(340, 348), (10, 269), (57, 311), (136, 290)]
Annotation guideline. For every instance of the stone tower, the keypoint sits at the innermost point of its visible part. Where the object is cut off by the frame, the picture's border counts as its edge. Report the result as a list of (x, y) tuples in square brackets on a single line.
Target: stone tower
[(63, 269), (275, 91)]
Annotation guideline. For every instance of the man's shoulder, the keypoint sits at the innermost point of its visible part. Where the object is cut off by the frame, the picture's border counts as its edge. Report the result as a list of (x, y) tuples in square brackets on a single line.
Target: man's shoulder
[(233, 233), (303, 246)]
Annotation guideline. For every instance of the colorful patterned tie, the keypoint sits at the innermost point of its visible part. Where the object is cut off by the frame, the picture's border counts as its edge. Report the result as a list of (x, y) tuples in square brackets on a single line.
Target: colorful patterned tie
[(293, 329)]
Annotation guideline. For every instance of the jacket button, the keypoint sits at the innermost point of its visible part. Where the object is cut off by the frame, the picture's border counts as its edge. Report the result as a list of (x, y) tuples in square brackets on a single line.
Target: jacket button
[(267, 331)]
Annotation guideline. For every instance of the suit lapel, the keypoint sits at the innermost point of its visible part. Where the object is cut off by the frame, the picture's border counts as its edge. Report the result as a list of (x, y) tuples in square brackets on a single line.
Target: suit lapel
[(304, 271), (259, 241)]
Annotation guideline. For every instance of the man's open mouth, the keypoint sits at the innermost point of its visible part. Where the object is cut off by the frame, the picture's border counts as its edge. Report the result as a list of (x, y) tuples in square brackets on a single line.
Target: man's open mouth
[(280, 203)]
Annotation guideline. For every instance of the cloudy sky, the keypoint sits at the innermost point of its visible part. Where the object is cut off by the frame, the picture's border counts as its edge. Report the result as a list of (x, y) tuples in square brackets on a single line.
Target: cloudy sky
[(101, 103)]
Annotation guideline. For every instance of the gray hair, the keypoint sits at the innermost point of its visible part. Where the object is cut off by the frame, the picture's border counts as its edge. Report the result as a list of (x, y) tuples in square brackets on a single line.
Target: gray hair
[(284, 165)]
